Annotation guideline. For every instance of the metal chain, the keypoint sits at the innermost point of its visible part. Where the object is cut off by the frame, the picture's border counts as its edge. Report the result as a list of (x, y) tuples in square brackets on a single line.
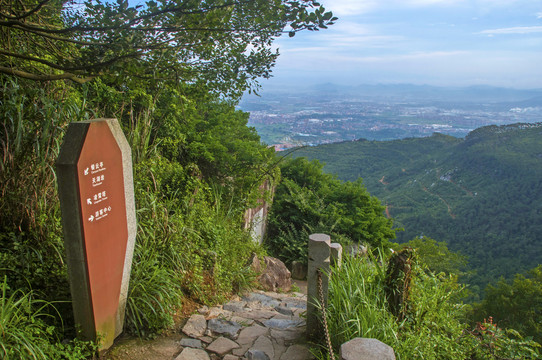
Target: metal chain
[(322, 301)]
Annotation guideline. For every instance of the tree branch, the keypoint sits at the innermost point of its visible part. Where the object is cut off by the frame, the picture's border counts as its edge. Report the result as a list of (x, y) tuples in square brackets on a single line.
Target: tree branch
[(28, 13), (27, 75)]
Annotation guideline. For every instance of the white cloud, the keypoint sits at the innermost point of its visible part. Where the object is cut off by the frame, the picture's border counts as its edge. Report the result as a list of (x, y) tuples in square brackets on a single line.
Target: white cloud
[(514, 30), (539, 15), (350, 7)]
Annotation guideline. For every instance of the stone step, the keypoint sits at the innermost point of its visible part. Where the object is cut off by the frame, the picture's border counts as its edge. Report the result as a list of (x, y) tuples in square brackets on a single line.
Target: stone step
[(260, 325)]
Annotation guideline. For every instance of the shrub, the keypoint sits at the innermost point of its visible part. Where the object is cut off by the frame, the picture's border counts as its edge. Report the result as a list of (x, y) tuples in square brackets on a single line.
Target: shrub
[(308, 200), (24, 333), (433, 326)]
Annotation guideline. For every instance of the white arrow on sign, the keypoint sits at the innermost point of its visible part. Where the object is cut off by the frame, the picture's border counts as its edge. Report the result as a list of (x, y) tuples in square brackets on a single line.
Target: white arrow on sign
[(91, 218), (89, 202)]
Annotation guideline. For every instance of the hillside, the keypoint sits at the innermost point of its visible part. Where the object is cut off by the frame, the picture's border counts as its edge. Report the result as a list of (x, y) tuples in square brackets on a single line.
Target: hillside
[(482, 194)]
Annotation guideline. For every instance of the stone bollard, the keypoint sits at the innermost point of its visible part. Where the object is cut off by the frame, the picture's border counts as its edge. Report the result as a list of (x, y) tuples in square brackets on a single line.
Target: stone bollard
[(319, 260), (336, 255), (366, 349)]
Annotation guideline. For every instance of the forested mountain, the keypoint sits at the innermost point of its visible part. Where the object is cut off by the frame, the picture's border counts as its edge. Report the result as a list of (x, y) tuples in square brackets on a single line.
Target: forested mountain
[(482, 194)]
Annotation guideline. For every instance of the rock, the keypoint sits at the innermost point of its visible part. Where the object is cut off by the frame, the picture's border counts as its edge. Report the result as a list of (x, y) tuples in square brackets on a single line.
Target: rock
[(284, 310), (263, 299), (275, 276), (298, 352), (288, 336), (242, 320), (300, 303), (366, 349), (259, 315), (263, 343), (192, 343), (206, 339), (256, 355), (235, 306), (192, 354), (249, 334), (241, 351), (255, 264), (299, 270), (222, 346), (229, 328), (280, 348), (215, 312), (195, 326), (283, 323), (230, 357)]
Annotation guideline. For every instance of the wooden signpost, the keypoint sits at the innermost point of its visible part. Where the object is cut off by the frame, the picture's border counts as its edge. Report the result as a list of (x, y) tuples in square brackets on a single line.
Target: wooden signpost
[(95, 184)]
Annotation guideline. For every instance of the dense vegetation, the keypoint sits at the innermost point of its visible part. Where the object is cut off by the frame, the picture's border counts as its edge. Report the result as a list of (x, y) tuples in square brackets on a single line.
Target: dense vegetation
[(482, 195), (171, 72), (309, 201), (432, 325), (162, 70)]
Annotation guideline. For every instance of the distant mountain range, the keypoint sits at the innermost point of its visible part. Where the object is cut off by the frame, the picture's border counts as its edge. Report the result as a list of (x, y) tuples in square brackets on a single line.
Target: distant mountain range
[(482, 194), (476, 93)]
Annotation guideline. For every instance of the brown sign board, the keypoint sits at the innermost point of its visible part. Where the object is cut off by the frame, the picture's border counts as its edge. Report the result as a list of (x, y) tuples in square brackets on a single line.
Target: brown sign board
[(95, 184)]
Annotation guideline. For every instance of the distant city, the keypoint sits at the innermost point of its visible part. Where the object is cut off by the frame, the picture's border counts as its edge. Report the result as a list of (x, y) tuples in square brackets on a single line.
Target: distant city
[(331, 113)]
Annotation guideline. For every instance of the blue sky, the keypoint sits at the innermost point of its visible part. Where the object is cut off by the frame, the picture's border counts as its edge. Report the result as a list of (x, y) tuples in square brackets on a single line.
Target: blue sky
[(435, 42)]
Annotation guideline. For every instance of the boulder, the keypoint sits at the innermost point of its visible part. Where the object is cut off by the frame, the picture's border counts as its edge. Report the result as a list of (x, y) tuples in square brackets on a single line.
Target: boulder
[(195, 326), (275, 276), (356, 250), (366, 349)]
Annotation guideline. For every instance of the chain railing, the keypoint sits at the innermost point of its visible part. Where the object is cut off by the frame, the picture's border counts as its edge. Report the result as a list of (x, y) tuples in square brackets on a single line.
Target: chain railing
[(324, 316)]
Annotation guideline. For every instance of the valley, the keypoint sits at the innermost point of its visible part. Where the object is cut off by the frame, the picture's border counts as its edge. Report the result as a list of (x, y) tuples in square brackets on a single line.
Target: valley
[(330, 113), (482, 194)]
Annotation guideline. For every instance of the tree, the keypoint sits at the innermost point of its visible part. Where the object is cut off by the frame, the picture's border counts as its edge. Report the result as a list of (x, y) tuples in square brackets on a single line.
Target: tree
[(308, 201), (516, 304), (437, 257), (225, 44)]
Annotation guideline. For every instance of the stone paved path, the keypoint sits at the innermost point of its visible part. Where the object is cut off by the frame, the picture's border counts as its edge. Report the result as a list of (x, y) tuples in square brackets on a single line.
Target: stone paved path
[(258, 326)]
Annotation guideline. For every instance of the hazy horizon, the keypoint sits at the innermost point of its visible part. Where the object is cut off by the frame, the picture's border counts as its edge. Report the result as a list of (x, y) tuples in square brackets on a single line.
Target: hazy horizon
[(448, 43)]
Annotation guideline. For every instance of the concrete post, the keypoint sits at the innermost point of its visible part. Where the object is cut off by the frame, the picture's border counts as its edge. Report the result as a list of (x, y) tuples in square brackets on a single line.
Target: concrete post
[(336, 255), (319, 260)]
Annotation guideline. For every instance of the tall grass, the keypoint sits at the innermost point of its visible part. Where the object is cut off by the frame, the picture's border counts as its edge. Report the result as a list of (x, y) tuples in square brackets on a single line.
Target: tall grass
[(357, 307), (24, 333), (155, 291), (33, 118), (190, 244), (357, 303)]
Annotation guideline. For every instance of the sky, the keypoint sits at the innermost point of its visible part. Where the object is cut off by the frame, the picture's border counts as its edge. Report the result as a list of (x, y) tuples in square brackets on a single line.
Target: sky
[(433, 42)]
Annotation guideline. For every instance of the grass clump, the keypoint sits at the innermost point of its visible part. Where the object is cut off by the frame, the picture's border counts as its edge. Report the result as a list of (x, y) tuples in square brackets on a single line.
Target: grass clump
[(432, 325), (24, 334)]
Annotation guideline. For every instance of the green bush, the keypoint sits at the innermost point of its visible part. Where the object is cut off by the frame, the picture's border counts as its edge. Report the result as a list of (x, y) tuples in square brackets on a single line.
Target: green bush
[(434, 326), (190, 244), (307, 200), (25, 334), (515, 303)]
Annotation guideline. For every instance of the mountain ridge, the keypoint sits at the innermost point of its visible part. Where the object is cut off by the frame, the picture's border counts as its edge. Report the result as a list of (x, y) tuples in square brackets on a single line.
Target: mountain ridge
[(482, 194)]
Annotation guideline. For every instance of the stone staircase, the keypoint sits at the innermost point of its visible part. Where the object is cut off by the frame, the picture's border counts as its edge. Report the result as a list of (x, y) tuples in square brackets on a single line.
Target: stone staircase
[(257, 326)]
